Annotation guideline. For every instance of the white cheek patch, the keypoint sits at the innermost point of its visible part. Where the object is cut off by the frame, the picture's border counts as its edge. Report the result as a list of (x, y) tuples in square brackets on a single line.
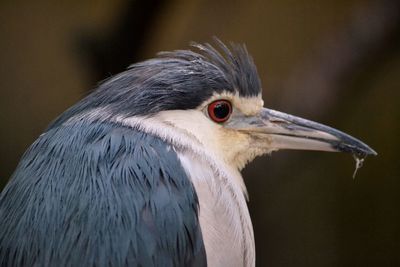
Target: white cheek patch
[(249, 106), (194, 123)]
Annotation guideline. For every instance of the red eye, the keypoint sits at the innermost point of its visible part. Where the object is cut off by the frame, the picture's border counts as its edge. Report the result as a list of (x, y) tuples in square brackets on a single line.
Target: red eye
[(220, 110)]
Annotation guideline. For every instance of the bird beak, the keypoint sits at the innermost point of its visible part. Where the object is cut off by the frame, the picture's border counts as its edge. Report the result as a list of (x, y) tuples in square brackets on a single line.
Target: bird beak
[(284, 131)]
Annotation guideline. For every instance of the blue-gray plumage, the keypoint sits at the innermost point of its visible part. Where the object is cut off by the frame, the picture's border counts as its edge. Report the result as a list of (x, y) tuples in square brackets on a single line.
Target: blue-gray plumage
[(145, 171), (103, 196)]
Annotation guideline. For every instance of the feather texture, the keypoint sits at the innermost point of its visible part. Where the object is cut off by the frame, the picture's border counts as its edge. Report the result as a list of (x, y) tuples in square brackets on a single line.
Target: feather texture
[(100, 194)]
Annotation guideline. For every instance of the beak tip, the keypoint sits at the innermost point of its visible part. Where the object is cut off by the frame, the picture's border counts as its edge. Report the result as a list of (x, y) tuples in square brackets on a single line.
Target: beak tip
[(365, 151), (356, 147), (373, 152)]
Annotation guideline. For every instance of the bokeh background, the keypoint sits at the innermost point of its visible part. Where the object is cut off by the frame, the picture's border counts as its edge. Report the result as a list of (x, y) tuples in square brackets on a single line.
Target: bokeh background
[(337, 62)]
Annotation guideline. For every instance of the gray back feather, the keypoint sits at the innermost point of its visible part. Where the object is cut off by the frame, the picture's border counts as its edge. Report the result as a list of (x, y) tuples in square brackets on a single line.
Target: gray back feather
[(99, 194)]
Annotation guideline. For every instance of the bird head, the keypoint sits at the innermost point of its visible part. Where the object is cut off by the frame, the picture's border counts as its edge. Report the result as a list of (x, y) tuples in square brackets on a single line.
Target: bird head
[(208, 100)]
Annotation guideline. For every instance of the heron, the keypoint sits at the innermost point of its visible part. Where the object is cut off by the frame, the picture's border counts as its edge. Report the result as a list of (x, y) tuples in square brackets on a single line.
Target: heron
[(145, 170)]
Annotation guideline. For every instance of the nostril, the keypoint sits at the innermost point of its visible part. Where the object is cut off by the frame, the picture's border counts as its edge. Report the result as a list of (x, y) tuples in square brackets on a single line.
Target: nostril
[(278, 121)]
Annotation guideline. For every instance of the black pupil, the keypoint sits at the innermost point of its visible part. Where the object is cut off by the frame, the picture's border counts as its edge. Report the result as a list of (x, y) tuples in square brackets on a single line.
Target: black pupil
[(221, 110)]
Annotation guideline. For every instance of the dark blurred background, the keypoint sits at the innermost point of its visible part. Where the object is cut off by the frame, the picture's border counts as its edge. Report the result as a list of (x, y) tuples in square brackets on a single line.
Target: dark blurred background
[(337, 62)]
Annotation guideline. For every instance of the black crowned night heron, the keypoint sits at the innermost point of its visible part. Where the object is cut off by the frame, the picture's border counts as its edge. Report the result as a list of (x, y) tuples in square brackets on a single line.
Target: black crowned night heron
[(145, 171)]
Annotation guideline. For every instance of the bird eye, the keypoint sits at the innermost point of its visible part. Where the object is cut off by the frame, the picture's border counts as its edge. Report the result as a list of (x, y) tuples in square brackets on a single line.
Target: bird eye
[(220, 110)]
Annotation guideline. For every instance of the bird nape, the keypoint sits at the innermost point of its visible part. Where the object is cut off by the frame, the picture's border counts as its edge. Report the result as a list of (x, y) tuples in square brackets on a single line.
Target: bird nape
[(145, 171)]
